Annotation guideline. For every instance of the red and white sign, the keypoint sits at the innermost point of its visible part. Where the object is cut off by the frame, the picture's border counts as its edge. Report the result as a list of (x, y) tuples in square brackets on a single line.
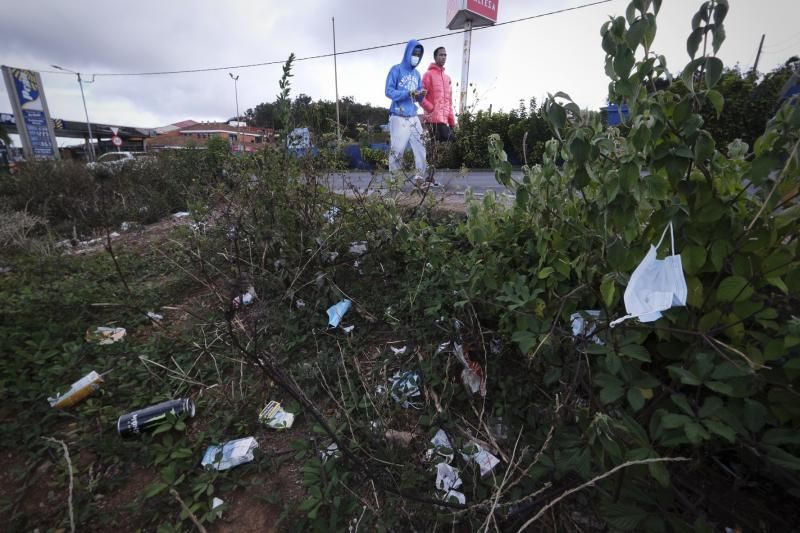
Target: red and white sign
[(116, 141), (480, 12), (114, 130)]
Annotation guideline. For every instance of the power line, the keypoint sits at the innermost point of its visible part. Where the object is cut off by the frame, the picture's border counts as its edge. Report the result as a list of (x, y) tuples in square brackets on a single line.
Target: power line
[(346, 52)]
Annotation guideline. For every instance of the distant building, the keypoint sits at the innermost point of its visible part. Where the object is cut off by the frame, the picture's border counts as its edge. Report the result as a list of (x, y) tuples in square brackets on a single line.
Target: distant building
[(198, 133)]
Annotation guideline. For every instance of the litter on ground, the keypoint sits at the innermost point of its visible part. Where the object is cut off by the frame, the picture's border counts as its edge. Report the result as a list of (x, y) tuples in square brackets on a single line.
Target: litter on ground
[(274, 416), (336, 312), (232, 453), (77, 391), (104, 335)]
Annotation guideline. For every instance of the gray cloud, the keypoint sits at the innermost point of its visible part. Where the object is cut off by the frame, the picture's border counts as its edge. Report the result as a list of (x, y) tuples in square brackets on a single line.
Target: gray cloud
[(516, 61)]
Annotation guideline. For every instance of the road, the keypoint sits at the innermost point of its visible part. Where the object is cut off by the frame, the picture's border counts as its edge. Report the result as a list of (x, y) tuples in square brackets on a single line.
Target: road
[(454, 182)]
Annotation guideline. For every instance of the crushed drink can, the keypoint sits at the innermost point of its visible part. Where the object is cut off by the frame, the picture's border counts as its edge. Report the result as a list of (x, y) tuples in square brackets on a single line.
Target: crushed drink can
[(77, 391), (148, 418)]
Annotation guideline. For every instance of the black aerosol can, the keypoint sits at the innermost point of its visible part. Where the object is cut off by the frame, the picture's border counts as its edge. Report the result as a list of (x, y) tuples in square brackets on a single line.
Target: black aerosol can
[(149, 417)]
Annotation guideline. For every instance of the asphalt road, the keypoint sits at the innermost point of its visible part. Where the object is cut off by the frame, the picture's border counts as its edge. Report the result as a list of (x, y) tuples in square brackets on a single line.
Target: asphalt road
[(453, 181)]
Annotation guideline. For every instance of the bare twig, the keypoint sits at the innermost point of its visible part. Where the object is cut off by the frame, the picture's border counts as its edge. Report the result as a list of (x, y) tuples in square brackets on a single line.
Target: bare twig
[(71, 481), (595, 480), (188, 511)]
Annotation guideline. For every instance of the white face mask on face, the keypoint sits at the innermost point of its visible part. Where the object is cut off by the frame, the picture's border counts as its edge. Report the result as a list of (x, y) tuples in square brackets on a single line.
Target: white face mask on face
[(414, 61), (655, 285)]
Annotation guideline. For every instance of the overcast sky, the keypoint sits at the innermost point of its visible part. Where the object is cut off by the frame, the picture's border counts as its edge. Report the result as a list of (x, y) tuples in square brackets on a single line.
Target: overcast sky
[(558, 52)]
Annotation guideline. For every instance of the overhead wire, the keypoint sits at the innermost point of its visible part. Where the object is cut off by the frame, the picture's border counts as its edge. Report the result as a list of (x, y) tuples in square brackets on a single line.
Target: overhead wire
[(345, 52)]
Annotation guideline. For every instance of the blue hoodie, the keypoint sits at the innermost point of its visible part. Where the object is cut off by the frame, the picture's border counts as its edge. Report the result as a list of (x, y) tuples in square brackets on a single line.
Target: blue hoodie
[(402, 79)]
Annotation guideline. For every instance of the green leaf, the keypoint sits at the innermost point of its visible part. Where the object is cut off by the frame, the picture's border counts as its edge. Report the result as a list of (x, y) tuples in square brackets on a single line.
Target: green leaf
[(607, 290), (680, 401), (711, 405), (629, 174), (713, 71), (761, 167), (783, 458), (635, 398), (723, 430), (557, 115), (674, 421), (720, 387), (636, 33), (704, 146), (623, 63), (685, 377), (623, 516), (755, 415), (545, 272), (694, 40), (636, 351), (155, 489), (611, 394), (787, 216), (693, 258), (660, 473), (717, 100), (779, 436), (719, 250), (695, 432), (734, 288)]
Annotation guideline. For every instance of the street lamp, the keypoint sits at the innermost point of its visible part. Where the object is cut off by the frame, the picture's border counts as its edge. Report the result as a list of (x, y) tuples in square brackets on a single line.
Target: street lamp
[(88, 124), (236, 93)]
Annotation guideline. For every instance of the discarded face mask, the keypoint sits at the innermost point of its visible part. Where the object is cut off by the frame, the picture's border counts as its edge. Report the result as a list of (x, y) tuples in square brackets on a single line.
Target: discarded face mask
[(336, 312), (77, 391), (181, 214), (404, 386), (441, 448), (447, 479), (583, 327), (103, 335), (485, 460), (655, 285), (232, 453), (275, 417), (245, 299)]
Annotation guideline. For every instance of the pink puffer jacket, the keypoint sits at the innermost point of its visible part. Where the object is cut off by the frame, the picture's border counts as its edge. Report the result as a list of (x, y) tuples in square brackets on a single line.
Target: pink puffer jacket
[(438, 104)]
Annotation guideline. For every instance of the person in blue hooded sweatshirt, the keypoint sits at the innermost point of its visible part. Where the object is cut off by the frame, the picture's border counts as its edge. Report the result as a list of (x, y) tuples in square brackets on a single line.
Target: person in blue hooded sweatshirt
[(404, 88)]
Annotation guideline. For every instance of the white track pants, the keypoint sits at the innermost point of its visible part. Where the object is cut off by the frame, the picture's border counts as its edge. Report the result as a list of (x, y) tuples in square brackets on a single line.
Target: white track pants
[(405, 130)]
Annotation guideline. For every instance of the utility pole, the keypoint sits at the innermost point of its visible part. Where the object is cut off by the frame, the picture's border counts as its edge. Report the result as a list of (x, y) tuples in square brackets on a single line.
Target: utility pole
[(236, 94), (462, 108), (336, 84), (83, 97), (758, 54)]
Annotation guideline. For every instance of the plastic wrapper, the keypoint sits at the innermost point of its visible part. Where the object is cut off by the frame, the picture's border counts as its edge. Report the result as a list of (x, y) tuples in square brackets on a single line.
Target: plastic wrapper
[(232, 453), (275, 417)]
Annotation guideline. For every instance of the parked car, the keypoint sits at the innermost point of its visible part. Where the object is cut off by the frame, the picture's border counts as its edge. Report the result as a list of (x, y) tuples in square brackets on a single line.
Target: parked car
[(114, 162)]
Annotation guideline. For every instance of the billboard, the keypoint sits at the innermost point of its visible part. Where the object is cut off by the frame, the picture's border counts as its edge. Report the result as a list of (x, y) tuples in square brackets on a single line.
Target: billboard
[(30, 111), (480, 12)]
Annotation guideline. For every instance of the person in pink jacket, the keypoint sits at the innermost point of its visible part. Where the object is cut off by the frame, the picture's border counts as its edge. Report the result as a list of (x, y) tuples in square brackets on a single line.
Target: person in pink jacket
[(438, 104)]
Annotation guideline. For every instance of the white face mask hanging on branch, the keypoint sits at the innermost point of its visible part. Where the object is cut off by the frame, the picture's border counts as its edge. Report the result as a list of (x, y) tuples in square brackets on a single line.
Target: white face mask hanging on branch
[(655, 285)]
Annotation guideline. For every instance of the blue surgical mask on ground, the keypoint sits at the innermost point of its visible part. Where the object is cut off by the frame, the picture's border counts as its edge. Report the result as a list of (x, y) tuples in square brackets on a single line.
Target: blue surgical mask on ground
[(414, 61), (655, 285)]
